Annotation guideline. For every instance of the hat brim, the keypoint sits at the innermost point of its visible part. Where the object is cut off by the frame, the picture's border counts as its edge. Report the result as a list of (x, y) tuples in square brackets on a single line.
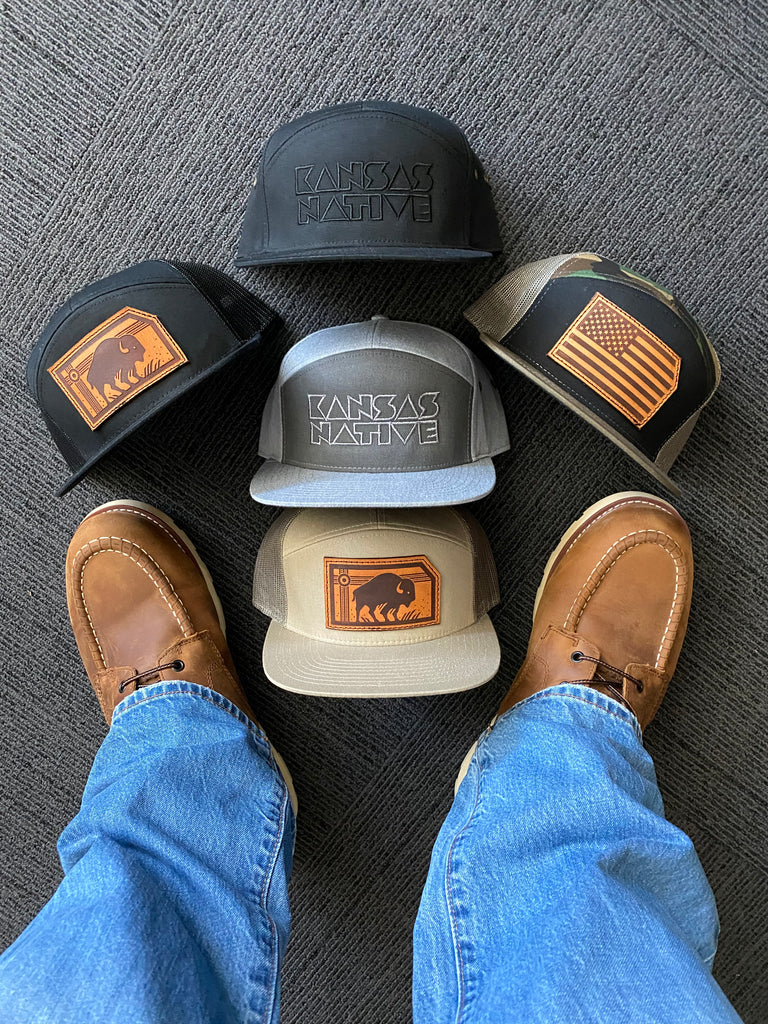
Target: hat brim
[(446, 664), (361, 252), (277, 483), (581, 410)]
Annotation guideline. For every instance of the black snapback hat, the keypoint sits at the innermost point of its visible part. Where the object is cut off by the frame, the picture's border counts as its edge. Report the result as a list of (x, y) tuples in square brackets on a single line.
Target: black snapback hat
[(126, 346), (620, 351), (368, 180)]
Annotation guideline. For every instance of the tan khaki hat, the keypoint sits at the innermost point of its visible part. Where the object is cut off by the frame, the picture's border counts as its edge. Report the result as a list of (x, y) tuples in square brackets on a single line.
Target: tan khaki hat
[(377, 602)]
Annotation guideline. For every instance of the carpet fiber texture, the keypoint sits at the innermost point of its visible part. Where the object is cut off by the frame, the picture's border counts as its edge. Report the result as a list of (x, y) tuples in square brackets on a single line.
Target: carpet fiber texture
[(634, 128)]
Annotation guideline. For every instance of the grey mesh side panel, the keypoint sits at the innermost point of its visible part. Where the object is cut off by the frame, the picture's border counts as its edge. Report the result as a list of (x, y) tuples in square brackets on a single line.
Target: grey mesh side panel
[(486, 579), (271, 436), (489, 424), (400, 335), (269, 593), (503, 306)]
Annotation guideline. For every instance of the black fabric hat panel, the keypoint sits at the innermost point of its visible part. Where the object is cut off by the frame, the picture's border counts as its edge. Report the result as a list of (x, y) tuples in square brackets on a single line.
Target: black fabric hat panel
[(558, 305), (125, 347), (370, 181)]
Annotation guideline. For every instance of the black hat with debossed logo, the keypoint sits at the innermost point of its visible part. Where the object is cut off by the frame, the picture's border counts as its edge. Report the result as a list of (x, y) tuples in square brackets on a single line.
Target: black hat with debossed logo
[(620, 351), (370, 180), (127, 346)]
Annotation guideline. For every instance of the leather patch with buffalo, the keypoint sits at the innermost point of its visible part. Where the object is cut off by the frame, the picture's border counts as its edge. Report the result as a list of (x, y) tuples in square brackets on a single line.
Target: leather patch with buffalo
[(115, 362), (381, 593)]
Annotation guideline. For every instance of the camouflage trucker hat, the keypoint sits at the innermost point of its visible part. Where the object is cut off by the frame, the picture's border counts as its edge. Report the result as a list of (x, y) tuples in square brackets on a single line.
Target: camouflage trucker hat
[(377, 603), (368, 180), (125, 347), (617, 349), (384, 413)]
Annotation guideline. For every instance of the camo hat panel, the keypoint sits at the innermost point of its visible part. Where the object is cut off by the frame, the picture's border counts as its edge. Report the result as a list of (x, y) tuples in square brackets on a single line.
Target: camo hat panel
[(125, 347), (377, 603), (617, 349), (383, 413), (370, 180)]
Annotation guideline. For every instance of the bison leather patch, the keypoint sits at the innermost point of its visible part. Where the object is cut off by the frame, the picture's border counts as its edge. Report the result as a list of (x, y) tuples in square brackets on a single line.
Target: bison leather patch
[(381, 593), (115, 362)]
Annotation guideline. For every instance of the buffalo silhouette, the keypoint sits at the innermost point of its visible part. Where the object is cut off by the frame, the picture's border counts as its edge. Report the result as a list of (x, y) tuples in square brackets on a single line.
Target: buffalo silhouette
[(113, 356), (384, 594)]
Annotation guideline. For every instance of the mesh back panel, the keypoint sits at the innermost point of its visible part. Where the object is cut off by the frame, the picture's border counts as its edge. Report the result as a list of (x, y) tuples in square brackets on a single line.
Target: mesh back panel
[(245, 314), (486, 580), (503, 306), (269, 593)]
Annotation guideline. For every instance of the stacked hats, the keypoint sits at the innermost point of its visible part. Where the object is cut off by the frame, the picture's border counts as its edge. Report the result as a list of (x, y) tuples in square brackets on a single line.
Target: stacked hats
[(378, 415)]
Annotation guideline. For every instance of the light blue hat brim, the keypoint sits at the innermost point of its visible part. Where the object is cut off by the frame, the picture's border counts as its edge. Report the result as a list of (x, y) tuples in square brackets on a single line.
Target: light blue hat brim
[(276, 483)]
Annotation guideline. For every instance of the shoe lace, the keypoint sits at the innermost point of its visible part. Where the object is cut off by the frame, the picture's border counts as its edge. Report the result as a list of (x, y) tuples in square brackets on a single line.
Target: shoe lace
[(609, 684), (177, 665)]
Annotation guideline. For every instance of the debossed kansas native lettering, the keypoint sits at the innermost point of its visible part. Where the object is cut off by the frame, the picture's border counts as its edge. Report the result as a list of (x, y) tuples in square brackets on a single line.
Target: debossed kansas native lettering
[(375, 190), (337, 419)]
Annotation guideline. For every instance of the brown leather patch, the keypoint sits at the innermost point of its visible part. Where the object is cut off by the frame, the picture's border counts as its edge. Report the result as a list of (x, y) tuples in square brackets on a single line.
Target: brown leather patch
[(619, 358), (115, 362), (381, 593)]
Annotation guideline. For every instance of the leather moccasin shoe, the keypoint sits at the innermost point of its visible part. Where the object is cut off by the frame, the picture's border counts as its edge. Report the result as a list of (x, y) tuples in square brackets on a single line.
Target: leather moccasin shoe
[(612, 608), (144, 609)]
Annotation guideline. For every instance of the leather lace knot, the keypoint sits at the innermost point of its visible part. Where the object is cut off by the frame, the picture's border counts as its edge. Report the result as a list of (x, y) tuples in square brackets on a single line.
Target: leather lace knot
[(609, 684)]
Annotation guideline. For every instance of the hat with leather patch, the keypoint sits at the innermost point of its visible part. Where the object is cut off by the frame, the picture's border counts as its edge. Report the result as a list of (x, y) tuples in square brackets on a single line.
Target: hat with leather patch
[(377, 602), (384, 413), (125, 347), (370, 180), (620, 351)]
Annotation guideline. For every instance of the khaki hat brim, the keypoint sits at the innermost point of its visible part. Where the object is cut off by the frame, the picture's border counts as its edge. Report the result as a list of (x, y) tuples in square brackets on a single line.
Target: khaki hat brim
[(446, 664)]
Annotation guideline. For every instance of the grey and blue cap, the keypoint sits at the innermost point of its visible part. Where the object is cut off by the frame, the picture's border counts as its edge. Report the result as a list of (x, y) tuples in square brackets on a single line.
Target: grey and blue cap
[(383, 413)]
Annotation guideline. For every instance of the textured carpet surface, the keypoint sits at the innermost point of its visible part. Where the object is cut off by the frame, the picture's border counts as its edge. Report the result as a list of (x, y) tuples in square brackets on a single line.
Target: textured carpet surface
[(636, 129)]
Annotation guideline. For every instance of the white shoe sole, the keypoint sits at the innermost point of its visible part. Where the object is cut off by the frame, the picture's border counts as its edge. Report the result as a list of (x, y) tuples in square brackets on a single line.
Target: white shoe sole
[(589, 514), (143, 507)]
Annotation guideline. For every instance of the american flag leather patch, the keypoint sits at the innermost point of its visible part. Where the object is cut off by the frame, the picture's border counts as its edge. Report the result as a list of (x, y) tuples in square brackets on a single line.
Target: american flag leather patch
[(619, 358)]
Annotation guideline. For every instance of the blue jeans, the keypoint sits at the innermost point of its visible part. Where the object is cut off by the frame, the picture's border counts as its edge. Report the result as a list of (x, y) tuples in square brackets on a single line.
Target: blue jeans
[(557, 891)]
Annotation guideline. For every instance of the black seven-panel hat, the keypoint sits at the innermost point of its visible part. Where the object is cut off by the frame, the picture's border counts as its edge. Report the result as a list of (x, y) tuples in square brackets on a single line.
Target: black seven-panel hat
[(619, 350), (125, 347), (368, 180)]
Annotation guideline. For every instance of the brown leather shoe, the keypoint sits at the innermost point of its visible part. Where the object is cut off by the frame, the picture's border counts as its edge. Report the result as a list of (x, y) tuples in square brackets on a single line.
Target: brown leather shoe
[(612, 608), (144, 609)]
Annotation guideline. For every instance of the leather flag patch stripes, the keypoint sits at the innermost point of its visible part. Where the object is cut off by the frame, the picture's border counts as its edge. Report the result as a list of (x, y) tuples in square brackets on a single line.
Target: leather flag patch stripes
[(624, 362)]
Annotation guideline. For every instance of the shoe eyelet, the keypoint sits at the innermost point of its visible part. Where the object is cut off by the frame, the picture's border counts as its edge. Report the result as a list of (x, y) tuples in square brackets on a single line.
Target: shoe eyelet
[(178, 665), (577, 656)]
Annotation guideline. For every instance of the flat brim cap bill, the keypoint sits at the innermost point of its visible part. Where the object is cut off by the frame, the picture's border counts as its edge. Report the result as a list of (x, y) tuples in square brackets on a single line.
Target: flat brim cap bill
[(386, 414), (370, 180), (461, 661), (617, 349), (377, 603), (129, 345)]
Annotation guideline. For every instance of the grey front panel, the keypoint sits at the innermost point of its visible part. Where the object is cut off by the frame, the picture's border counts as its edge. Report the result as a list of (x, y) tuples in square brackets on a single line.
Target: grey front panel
[(376, 411)]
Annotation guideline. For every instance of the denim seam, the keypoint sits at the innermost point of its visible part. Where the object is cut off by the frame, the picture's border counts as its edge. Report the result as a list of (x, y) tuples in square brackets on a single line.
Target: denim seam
[(238, 717), (449, 897), (266, 885), (632, 723)]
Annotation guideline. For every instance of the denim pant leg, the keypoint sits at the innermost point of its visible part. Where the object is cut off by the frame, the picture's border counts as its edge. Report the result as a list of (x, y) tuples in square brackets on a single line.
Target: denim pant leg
[(174, 903), (557, 891)]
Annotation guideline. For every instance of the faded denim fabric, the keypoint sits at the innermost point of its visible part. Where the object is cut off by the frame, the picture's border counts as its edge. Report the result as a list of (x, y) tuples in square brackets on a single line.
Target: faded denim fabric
[(174, 905), (557, 892)]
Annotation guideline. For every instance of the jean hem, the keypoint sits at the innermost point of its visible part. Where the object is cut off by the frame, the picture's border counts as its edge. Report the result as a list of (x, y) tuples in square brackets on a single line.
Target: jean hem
[(585, 694), (179, 687)]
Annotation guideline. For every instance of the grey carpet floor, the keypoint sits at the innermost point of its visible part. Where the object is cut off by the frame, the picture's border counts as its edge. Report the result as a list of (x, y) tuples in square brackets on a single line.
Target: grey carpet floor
[(637, 129)]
